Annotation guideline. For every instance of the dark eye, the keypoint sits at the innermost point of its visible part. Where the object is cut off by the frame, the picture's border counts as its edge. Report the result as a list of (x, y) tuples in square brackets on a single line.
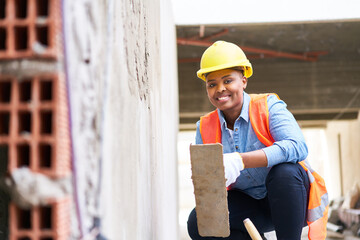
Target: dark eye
[(211, 85), (228, 81)]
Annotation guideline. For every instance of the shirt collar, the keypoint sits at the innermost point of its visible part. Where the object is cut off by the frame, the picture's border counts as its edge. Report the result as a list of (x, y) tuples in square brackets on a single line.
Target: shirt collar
[(245, 108), (244, 111)]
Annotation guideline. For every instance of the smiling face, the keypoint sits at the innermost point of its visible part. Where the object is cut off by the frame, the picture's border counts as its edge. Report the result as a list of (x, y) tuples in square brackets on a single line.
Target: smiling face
[(225, 90)]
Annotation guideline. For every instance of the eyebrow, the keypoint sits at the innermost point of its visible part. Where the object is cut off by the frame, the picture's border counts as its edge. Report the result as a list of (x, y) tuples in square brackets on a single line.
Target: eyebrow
[(211, 80), (226, 76)]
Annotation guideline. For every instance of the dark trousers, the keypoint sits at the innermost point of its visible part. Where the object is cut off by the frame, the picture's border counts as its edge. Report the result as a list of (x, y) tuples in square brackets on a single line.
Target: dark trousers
[(283, 209)]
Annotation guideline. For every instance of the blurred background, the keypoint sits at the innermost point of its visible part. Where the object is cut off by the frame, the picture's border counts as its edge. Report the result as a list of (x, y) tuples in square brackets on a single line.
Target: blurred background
[(307, 52), (99, 101)]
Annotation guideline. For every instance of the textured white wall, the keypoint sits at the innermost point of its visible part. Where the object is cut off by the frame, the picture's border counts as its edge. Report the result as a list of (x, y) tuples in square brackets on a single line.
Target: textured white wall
[(349, 152), (86, 56), (340, 140), (121, 58)]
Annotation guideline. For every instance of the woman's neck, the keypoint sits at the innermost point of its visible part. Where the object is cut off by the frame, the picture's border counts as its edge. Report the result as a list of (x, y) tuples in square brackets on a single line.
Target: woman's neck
[(230, 119)]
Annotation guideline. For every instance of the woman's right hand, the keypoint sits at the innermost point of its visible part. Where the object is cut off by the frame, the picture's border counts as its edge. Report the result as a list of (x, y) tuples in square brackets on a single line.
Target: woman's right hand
[(233, 165)]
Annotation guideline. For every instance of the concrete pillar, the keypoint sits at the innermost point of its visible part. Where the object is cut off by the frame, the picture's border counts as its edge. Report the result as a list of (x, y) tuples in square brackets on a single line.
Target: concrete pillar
[(121, 62)]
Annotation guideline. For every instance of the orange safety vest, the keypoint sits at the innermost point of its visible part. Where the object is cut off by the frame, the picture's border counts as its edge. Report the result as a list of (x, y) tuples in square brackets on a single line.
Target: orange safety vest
[(317, 213)]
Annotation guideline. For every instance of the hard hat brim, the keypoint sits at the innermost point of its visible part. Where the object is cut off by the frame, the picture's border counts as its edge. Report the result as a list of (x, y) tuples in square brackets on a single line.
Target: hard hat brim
[(247, 72)]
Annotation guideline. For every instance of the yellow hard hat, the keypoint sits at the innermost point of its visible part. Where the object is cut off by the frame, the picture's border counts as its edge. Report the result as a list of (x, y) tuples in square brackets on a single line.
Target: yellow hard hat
[(222, 55)]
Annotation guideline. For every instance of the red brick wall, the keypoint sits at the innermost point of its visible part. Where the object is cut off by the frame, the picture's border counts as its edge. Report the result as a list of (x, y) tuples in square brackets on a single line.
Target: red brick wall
[(41, 223), (29, 28), (34, 123)]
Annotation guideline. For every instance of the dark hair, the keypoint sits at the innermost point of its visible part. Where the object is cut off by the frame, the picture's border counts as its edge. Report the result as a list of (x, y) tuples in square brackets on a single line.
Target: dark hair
[(240, 69)]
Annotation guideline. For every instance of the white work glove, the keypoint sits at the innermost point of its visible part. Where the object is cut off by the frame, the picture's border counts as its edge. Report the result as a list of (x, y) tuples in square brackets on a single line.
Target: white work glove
[(233, 164)]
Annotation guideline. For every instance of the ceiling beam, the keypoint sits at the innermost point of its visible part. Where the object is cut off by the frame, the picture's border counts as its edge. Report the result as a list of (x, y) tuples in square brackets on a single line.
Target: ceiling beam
[(306, 56)]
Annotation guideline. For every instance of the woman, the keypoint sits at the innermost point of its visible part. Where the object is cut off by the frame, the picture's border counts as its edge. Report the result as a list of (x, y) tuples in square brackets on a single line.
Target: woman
[(262, 146)]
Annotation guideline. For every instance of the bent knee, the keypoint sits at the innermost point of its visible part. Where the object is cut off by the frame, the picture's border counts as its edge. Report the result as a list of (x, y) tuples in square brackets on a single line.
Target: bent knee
[(192, 225), (285, 173)]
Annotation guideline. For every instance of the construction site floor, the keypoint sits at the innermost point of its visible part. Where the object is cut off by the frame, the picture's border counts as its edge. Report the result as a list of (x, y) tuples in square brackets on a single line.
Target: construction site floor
[(346, 235)]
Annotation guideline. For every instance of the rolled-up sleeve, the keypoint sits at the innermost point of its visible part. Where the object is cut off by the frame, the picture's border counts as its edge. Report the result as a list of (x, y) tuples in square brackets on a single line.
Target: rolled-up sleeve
[(289, 143), (198, 139)]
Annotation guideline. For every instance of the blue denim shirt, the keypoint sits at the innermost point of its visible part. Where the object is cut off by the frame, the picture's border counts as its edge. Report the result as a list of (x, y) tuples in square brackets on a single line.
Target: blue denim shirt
[(289, 143)]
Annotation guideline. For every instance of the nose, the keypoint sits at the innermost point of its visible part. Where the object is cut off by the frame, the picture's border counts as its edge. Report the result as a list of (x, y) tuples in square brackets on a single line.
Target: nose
[(220, 88)]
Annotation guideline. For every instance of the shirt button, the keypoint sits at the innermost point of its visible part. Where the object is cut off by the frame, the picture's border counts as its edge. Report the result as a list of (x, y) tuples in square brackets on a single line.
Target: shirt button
[(237, 147), (236, 129)]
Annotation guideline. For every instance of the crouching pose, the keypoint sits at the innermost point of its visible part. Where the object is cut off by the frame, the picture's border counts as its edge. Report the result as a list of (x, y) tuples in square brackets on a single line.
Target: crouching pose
[(268, 178)]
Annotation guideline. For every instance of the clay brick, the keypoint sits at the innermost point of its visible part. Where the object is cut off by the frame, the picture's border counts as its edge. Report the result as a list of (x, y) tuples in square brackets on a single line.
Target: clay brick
[(40, 223), (34, 123), (30, 29), (209, 188)]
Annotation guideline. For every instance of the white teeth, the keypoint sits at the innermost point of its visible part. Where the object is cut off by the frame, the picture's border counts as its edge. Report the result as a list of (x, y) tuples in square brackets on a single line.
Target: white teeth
[(223, 98)]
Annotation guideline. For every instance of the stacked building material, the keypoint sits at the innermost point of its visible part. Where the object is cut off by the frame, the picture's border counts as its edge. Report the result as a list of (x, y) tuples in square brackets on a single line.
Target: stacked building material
[(34, 122)]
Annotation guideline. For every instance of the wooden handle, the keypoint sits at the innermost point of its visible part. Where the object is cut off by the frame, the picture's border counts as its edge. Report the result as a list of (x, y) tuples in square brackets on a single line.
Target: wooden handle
[(253, 232)]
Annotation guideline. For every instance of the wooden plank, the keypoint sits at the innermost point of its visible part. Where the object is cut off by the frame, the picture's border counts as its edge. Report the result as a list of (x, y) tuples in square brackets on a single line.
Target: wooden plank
[(210, 190)]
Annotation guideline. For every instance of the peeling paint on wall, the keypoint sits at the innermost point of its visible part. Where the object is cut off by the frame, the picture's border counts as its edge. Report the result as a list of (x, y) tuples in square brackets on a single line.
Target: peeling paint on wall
[(137, 55), (84, 36)]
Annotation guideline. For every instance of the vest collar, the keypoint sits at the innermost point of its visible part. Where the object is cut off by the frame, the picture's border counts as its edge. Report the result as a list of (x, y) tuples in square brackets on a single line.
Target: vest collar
[(244, 111)]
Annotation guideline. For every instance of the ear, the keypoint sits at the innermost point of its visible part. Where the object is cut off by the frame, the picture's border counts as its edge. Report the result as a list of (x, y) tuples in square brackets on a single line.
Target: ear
[(244, 80)]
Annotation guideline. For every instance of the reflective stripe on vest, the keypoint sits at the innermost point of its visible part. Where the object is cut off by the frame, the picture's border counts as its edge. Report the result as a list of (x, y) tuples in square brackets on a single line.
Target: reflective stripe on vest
[(318, 206)]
